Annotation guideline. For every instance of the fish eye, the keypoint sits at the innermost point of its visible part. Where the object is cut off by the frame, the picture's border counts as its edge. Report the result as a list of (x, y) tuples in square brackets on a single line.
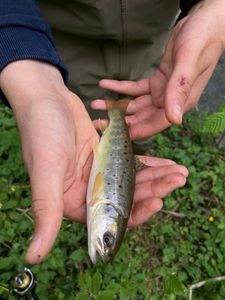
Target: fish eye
[(108, 239)]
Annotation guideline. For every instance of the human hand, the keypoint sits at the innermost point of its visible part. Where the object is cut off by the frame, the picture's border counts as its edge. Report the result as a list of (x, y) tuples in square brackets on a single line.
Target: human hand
[(192, 52), (57, 138), (152, 184)]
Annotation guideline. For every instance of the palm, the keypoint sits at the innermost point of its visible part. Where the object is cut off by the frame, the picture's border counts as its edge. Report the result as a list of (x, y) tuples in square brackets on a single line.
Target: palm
[(57, 140), (75, 186)]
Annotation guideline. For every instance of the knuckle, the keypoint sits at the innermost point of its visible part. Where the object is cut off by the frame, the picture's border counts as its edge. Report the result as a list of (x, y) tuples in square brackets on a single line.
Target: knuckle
[(38, 208), (42, 208), (184, 87), (137, 85), (44, 160), (134, 132), (152, 190)]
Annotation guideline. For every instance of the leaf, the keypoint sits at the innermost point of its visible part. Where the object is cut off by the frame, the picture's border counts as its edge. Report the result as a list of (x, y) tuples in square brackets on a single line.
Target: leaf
[(3, 289), (82, 295), (85, 282), (106, 295), (222, 108), (96, 283), (78, 255), (170, 297), (6, 262), (130, 289), (123, 294), (214, 123), (172, 285), (155, 297)]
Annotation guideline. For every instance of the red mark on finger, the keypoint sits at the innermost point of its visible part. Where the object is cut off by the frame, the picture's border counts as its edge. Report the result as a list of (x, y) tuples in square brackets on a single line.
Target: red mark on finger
[(182, 81)]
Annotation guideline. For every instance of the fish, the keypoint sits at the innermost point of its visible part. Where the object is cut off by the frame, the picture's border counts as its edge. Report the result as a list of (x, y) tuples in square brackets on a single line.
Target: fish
[(111, 185)]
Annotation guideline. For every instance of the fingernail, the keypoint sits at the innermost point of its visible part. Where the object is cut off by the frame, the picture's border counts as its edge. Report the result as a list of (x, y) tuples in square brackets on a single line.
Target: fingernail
[(178, 112), (159, 205)]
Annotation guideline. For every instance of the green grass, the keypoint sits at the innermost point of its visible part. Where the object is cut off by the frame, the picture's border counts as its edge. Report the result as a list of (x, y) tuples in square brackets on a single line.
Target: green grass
[(157, 261)]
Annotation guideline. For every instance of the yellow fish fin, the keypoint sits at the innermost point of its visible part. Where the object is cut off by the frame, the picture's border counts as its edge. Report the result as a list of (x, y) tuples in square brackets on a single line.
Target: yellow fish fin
[(102, 125), (98, 187), (140, 163), (95, 147)]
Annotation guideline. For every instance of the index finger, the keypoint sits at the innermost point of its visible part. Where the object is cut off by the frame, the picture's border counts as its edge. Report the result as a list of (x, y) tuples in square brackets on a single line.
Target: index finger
[(131, 88)]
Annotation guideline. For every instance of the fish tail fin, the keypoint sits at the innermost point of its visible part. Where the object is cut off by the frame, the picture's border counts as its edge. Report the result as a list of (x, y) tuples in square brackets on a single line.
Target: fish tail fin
[(120, 104)]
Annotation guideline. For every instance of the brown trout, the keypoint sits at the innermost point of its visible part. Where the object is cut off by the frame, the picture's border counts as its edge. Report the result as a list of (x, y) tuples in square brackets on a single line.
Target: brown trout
[(111, 186)]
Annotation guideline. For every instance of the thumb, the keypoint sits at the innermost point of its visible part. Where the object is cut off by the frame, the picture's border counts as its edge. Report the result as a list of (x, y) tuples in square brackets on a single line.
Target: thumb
[(179, 87), (47, 205)]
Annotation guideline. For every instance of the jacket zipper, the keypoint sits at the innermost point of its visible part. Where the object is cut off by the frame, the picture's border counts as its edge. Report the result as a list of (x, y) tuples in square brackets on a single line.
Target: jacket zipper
[(123, 46)]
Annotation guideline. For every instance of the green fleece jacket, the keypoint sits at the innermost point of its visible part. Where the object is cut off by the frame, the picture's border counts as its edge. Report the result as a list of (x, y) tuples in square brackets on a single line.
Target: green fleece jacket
[(109, 39)]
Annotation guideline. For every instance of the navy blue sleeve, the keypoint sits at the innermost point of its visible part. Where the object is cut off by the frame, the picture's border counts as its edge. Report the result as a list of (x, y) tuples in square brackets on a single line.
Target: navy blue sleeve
[(25, 35), (185, 5)]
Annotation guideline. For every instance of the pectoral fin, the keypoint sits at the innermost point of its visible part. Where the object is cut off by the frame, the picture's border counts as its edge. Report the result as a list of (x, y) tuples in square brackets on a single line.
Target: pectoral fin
[(98, 187), (95, 147), (140, 163), (102, 125)]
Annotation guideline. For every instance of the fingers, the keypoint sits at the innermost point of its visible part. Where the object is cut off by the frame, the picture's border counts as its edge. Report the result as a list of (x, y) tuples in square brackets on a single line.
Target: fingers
[(104, 123), (153, 173), (147, 197), (143, 210), (177, 92), (159, 187), (75, 196), (99, 104), (132, 88), (188, 66), (198, 88), (47, 204), (147, 123), (134, 105), (75, 205), (155, 161)]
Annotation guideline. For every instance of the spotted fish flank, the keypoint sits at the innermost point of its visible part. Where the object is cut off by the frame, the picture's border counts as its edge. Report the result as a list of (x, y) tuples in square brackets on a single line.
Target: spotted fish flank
[(111, 186)]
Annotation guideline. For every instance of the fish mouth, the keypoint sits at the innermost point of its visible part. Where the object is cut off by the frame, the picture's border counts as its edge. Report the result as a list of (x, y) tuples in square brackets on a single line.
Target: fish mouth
[(107, 258), (103, 255), (102, 251), (99, 248)]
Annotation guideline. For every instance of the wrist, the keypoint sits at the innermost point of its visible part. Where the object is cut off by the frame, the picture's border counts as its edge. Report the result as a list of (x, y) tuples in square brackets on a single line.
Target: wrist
[(25, 81), (33, 86)]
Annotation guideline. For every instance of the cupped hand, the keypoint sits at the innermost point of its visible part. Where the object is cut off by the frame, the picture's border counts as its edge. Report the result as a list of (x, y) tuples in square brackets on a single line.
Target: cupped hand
[(57, 137), (193, 50)]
